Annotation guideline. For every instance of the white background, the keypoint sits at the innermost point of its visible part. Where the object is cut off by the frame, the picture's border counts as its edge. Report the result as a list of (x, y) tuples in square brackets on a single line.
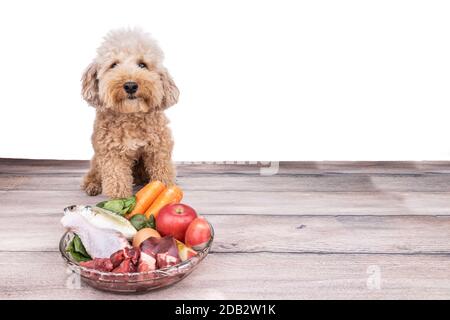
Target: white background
[(259, 80)]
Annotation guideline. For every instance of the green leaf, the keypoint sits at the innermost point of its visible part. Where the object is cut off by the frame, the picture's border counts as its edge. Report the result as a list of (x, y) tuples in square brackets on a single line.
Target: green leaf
[(120, 206), (77, 250), (114, 205), (78, 257), (138, 221), (101, 204), (123, 212), (151, 222), (129, 203), (79, 247)]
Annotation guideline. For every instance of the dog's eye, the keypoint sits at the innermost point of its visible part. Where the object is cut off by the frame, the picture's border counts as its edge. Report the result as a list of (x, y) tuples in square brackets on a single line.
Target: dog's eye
[(142, 65), (113, 65)]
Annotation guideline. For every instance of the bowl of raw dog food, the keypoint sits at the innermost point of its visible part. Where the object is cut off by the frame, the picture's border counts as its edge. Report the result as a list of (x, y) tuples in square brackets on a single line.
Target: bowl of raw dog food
[(148, 241)]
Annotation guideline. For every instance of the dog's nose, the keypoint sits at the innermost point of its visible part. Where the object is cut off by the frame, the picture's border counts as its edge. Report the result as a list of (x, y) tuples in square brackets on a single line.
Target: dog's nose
[(130, 87)]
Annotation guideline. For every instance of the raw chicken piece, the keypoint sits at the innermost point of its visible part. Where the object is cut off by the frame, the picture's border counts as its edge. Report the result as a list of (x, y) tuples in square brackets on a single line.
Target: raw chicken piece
[(99, 243), (103, 219)]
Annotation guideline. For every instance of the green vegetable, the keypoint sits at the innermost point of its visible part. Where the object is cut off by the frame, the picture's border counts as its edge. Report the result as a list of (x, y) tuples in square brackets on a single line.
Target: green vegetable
[(120, 206), (77, 250), (101, 204), (79, 257), (151, 222), (139, 221), (114, 206), (129, 203), (79, 247)]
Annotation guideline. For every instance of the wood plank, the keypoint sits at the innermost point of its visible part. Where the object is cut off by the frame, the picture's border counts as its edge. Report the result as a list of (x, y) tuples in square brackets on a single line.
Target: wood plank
[(281, 234), (226, 182), (250, 276), (319, 225), (28, 166), (405, 235), (316, 167), (251, 202), (318, 183)]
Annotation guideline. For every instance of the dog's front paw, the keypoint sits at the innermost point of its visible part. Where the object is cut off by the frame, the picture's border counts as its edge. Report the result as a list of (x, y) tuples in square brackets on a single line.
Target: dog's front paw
[(92, 188), (91, 185)]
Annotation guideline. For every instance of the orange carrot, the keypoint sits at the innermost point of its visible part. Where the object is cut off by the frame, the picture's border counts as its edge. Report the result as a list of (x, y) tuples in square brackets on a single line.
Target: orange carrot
[(146, 196), (172, 194)]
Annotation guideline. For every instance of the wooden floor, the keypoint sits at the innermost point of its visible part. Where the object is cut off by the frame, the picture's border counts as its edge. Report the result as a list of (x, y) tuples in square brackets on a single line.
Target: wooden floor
[(314, 230)]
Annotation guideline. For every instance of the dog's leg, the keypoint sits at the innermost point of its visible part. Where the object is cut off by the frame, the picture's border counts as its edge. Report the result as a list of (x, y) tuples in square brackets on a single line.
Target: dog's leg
[(117, 177), (159, 165), (92, 182)]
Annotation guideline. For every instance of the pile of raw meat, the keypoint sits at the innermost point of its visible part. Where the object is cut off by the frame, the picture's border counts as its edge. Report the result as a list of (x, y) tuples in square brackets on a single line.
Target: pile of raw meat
[(153, 253)]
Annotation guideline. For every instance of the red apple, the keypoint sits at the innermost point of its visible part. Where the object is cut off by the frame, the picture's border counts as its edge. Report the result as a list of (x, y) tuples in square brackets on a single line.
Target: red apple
[(174, 219), (198, 234)]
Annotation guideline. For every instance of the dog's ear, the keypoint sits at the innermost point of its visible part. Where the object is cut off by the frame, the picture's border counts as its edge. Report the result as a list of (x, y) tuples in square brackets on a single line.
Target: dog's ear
[(90, 85), (171, 91)]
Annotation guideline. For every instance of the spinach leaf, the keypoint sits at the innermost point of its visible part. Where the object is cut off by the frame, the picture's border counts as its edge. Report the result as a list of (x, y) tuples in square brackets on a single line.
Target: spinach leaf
[(120, 206), (114, 205), (101, 204), (129, 203), (138, 221), (78, 257), (79, 247), (77, 250), (151, 223)]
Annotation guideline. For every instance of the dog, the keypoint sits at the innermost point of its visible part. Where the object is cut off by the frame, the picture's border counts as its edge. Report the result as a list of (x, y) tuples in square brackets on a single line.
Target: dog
[(130, 88)]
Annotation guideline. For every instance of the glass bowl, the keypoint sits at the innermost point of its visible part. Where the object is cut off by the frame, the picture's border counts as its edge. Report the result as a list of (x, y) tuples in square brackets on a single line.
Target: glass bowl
[(132, 282)]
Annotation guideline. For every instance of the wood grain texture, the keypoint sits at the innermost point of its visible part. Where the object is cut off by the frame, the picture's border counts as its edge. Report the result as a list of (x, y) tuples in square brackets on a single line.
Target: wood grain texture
[(328, 182), (249, 276), (27, 166), (314, 230), (278, 234), (16, 202)]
